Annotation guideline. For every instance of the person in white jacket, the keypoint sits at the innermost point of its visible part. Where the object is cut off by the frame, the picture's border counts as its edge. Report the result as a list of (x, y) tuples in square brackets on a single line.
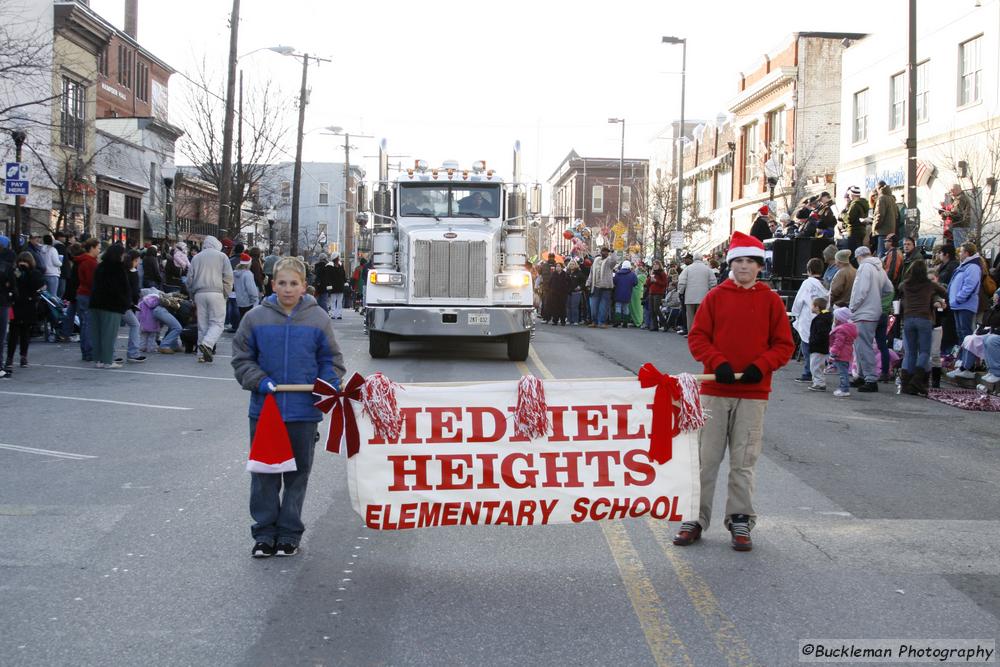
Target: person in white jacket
[(803, 313), (871, 287), (52, 265), (210, 280)]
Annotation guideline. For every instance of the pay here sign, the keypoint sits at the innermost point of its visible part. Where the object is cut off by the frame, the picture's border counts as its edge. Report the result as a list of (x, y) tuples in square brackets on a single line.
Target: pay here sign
[(458, 460)]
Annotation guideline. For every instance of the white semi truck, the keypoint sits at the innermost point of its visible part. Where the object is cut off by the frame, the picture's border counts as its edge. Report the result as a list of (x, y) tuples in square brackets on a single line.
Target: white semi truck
[(448, 255)]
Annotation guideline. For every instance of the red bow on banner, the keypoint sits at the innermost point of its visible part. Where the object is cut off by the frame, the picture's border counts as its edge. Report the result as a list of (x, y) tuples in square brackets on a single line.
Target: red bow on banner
[(342, 416), (666, 416)]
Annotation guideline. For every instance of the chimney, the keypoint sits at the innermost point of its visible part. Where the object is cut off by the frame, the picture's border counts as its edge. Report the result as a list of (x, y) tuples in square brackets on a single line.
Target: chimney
[(132, 18)]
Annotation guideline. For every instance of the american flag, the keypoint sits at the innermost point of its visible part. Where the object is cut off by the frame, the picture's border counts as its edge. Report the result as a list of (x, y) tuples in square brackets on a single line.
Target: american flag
[(924, 171)]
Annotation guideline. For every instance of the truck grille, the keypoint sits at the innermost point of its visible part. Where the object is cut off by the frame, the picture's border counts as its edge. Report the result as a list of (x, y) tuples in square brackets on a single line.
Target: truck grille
[(449, 269)]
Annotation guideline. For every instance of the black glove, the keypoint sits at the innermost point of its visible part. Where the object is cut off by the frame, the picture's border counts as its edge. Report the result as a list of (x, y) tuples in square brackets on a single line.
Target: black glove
[(751, 375), (724, 373)]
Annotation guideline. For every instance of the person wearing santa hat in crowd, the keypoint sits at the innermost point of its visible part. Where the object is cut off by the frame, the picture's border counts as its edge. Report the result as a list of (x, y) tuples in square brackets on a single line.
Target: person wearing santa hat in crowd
[(741, 327), (289, 319), (761, 228), (245, 287)]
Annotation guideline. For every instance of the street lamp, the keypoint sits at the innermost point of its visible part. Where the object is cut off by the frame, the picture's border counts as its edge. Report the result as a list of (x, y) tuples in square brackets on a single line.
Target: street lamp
[(621, 164), (226, 176), (19, 137), (680, 160)]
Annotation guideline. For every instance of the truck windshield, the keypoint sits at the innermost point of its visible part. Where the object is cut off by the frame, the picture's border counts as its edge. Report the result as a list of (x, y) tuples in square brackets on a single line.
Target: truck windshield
[(451, 200)]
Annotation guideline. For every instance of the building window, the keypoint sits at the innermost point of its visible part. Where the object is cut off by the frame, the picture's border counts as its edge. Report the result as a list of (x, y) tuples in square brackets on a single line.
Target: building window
[(597, 199), (860, 130), (971, 74), (133, 208), (324, 194), (923, 71), (703, 194), (897, 101), (626, 199), (286, 191), (777, 131), (142, 81), (73, 113), (102, 61), (751, 138), (723, 188), (126, 59), (103, 201)]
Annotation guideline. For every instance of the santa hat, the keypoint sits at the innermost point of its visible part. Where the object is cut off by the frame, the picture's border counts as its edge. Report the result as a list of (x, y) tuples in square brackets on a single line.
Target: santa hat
[(764, 210), (271, 450), (244, 259), (744, 245)]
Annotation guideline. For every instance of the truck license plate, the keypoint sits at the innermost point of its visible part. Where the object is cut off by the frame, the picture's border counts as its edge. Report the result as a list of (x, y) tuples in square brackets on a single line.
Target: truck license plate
[(479, 318)]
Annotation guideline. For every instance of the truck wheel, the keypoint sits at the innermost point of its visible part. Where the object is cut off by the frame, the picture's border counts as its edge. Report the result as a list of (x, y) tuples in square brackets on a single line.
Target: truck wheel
[(517, 346), (378, 344)]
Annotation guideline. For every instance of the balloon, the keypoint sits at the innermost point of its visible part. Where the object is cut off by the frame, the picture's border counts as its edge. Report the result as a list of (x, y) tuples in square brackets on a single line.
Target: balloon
[(567, 235)]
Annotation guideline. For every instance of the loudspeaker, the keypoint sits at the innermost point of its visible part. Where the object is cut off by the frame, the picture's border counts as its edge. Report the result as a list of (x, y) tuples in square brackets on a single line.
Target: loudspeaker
[(806, 249), (782, 256)]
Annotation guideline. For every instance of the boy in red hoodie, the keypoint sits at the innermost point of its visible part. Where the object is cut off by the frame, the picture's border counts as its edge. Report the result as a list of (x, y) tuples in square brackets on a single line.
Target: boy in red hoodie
[(740, 327)]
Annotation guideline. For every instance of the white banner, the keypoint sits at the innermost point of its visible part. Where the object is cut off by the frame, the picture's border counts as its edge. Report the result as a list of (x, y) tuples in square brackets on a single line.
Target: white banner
[(459, 462)]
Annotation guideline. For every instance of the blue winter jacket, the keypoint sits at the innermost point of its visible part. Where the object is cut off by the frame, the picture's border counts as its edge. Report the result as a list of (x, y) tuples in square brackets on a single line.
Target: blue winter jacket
[(624, 281), (288, 349), (963, 290)]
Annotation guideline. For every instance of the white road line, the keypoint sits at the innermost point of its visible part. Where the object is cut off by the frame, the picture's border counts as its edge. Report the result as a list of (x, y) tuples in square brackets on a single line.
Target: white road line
[(95, 400), (173, 375), (46, 452)]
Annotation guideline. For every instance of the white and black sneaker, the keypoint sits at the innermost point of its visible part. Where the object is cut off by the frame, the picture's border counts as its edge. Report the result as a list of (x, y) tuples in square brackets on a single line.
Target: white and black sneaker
[(286, 549), (137, 360), (206, 353), (262, 550)]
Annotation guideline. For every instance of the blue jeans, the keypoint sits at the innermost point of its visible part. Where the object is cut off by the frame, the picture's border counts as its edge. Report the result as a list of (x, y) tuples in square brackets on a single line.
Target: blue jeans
[(992, 345), (844, 368), (278, 517), (600, 305), (573, 307), (82, 312), (806, 373), (882, 341), (232, 313), (917, 343), (52, 285), (4, 319), (132, 322), (880, 248), (164, 317), (621, 308)]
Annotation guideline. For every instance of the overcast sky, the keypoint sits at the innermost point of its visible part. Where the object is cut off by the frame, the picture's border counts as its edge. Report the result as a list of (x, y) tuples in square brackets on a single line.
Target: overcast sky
[(463, 80)]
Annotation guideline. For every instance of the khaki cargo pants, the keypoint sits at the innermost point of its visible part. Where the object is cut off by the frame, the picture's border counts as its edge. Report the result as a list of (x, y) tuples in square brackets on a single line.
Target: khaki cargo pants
[(735, 424)]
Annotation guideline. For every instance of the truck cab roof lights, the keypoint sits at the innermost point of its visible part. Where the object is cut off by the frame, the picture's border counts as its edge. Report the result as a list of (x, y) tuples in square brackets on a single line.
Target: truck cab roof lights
[(409, 172), (434, 173), (450, 164), (489, 174), (465, 175)]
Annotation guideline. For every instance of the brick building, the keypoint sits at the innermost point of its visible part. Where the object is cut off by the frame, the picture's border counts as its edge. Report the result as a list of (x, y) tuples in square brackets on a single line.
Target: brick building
[(787, 120), (708, 184), (586, 188)]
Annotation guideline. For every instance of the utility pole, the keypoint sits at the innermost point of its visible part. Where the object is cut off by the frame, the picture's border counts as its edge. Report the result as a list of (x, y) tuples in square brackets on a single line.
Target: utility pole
[(226, 177), (912, 213), (297, 171)]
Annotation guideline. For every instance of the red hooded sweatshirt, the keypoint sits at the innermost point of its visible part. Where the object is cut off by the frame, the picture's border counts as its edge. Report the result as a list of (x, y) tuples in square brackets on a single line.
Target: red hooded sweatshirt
[(741, 326), (85, 267)]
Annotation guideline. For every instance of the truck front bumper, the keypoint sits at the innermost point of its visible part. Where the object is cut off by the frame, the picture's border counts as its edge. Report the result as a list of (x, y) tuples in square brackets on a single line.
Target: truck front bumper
[(483, 322)]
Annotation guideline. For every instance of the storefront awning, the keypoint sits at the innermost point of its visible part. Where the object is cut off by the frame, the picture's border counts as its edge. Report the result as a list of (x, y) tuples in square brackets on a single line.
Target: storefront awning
[(155, 225)]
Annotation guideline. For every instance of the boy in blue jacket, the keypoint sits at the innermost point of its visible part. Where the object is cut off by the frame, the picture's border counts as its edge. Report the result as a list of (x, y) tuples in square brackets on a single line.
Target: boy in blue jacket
[(288, 339)]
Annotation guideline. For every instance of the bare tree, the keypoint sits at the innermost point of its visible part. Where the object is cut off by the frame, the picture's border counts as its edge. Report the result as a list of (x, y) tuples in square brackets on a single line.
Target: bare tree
[(25, 69), (662, 220), (260, 137), (976, 162)]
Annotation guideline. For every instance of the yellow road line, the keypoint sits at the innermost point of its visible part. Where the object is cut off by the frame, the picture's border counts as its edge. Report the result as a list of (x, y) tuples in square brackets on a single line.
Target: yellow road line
[(727, 639), (523, 367), (664, 642)]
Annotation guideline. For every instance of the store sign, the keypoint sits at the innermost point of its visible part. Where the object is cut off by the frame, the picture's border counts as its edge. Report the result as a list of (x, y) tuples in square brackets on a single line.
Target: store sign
[(116, 205), (893, 178)]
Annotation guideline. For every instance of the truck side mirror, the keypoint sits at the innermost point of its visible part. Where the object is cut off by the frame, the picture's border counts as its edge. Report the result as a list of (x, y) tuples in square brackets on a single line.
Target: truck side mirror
[(363, 198), (536, 200)]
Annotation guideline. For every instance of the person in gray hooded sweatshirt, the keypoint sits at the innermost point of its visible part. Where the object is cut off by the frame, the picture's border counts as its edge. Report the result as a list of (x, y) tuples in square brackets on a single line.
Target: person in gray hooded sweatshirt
[(871, 287), (210, 280)]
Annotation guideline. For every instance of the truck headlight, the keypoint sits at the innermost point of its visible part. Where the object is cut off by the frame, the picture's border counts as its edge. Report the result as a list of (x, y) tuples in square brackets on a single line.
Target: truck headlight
[(512, 280), (384, 278)]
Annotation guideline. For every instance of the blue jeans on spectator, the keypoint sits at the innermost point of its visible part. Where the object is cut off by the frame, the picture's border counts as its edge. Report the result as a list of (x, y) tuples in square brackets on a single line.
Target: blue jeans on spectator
[(82, 312), (882, 341), (806, 373), (166, 318), (600, 304), (880, 247), (621, 308), (278, 517), (917, 343), (963, 327), (844, 368), (4, 320), (573, 307), (52, 285), (232, 313), (132, 322)]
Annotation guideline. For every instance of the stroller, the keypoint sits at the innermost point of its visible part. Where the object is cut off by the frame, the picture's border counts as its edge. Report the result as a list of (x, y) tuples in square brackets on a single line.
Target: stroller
[(52, 311)]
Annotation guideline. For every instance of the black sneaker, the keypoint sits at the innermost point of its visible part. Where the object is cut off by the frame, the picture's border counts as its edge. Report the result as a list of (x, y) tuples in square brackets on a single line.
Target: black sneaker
[(262, 550), (206, 353), (286, 549), (857, 382), (137, 360), (868, 388)]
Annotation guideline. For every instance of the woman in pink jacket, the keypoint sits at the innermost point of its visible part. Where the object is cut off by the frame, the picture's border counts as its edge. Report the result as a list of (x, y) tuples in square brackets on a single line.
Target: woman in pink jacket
[(842, 348)]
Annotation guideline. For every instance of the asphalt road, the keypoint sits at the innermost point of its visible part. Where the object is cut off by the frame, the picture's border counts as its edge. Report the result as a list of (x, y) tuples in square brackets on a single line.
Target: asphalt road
[(127, 539)]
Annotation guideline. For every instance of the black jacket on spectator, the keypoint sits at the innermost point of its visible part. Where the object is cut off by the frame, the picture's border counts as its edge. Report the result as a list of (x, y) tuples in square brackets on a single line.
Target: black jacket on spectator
[(111, 289), (134, 289), (151, 275), (819, 333), (8, 281), (29, 283)]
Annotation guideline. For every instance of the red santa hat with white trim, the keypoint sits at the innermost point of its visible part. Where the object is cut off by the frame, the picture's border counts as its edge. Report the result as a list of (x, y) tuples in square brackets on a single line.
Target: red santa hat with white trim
[(744, 245), (271, 450)]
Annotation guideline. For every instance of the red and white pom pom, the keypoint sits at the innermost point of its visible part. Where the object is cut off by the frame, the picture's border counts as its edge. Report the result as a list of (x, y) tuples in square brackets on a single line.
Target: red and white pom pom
[(378, 397), (531, 416), (692, 415)]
